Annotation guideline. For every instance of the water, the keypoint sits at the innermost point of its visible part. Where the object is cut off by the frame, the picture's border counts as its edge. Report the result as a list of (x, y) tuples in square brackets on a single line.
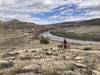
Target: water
[(60, 39)]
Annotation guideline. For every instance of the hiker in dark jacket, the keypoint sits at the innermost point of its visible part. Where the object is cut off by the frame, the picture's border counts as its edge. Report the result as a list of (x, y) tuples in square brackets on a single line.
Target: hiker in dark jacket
[(65, 44)]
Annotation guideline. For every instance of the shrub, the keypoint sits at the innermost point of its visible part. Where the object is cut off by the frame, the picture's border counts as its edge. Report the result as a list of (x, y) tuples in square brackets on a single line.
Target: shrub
[(4, 65), (70, 67), (87, 48), (17, 71), (51, 72), (26, 57), (44, 40)]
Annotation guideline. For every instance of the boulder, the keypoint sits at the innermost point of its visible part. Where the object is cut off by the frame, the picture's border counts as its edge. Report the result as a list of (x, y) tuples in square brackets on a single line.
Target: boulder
[(49, 53)]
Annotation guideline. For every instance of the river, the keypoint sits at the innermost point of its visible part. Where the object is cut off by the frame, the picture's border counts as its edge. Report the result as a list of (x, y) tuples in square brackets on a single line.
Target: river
[(60, 39)]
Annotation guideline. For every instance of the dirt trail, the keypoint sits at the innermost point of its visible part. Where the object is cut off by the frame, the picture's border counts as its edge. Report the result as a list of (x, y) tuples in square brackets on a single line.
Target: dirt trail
[(73, 50)]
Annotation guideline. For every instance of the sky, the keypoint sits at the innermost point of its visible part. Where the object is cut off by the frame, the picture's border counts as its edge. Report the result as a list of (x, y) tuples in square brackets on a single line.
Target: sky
[(49, 11)]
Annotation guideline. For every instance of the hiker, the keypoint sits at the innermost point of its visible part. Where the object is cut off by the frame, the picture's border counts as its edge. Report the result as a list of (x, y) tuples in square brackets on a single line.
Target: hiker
[(65, 44)]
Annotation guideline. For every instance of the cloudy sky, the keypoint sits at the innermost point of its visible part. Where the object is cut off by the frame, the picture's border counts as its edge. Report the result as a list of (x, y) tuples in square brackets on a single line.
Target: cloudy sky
[(49, 11)]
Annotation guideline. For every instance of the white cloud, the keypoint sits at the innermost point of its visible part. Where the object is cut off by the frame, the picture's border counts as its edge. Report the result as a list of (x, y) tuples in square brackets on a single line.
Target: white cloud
[(89, 3), (23, 9)]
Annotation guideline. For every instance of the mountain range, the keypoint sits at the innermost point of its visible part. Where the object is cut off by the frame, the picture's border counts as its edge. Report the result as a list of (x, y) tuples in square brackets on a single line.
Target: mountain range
[(83, 22), (19, 24)]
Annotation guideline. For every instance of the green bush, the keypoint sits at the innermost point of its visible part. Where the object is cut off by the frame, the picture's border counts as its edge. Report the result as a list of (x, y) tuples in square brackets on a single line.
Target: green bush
[(51, 73), (44, 40), (6, 65), (70, 67), (87, 48)]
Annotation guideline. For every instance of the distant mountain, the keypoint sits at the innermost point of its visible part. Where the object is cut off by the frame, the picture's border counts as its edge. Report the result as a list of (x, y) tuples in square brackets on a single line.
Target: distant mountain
[(14, 21), (92, 21), (75, 23), (84, 22), (17, 24)]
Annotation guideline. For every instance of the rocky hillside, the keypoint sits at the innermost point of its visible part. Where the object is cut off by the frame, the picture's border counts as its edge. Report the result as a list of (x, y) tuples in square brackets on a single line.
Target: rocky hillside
[(17, 24), (15, 33), (47, 61)]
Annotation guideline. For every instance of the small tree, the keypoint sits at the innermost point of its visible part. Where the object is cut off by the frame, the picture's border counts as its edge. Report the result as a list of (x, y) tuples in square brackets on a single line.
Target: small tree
[(44, 40)]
